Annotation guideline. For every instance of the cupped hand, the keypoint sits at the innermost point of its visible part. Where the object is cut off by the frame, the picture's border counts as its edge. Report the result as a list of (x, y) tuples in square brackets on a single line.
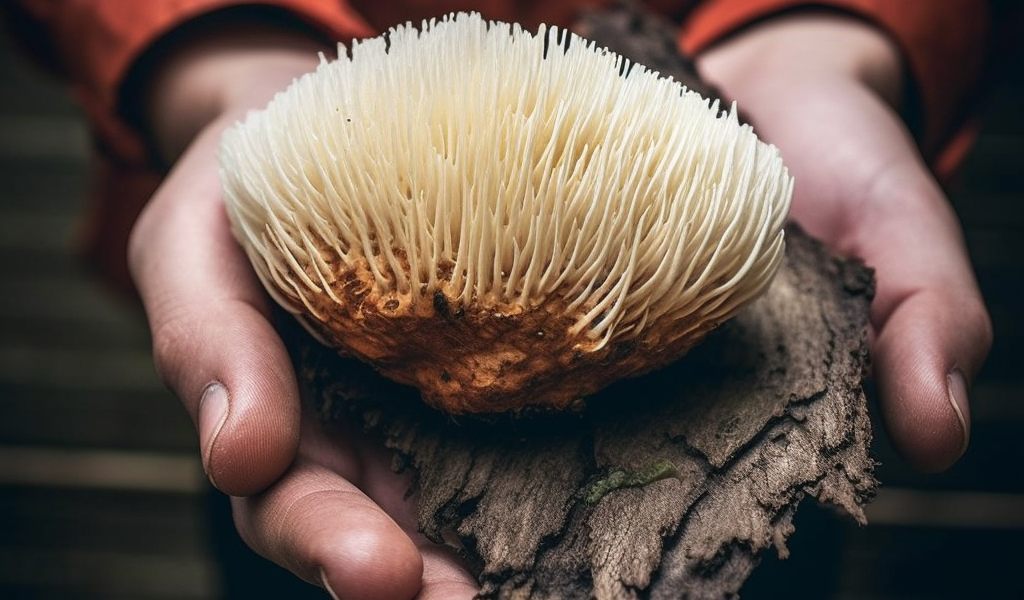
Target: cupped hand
[(323, 504), (340, 518), (823, 88)]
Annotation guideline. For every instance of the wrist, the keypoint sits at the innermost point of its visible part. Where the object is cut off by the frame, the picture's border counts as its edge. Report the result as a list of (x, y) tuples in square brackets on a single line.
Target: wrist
[(215, 72), (805, 49)]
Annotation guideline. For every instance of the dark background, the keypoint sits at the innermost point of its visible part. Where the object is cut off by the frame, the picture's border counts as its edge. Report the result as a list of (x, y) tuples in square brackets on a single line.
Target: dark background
[(102, 494)]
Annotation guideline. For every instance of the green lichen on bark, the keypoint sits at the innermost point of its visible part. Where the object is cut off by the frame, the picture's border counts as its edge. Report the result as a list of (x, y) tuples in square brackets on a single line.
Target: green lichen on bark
[(619, 478)]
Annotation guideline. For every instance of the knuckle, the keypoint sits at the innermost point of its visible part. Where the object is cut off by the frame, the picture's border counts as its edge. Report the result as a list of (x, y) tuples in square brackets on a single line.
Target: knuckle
[(141, 233), (985, 329), (241, 515), (135, 247), (245, 515), (173, 339), (978, 321)]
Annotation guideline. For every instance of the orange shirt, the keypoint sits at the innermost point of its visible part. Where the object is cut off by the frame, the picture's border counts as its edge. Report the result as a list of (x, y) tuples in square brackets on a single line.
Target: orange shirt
[(96, 42)]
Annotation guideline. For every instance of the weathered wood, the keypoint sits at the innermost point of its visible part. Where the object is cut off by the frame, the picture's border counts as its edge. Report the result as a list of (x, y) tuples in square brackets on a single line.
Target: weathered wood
[(666, 486)]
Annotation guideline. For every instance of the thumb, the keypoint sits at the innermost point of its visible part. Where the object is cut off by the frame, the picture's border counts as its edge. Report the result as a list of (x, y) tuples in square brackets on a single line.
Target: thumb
[(213, 344), (233, 374), (925, 356), (932, 331)]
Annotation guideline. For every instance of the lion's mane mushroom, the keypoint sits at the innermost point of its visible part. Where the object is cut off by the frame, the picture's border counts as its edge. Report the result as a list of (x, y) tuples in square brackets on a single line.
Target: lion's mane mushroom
[(500, 218)]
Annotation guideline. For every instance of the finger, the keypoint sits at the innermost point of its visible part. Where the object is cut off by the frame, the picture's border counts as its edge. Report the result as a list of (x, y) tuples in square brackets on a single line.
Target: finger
[(445, 574), (325, 530), (932, 330), (444, 578), (212, 342)]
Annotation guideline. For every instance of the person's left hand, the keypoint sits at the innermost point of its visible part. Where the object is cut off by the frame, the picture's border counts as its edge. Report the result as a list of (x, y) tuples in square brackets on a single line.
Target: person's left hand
[(823, 87)]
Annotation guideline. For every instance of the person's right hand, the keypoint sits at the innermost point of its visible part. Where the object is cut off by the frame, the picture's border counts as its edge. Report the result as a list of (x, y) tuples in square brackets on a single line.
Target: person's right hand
[(307, 499)]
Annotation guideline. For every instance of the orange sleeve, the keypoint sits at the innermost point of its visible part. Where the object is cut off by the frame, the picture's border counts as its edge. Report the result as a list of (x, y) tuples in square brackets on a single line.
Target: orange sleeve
[(96, 42), (943, 43)]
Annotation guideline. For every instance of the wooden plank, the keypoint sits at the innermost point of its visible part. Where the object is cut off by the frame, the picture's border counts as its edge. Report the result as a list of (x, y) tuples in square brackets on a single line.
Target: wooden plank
[(57, 572), (100, 469), (997, 248), (26, 89), (1004, 362), (999, 209), (946, 509), (99, 370), (24, 229), (924, 562), (991, 464), (98, 419), (24, 263), (994, 164), (68, 308), (1006, 318), (147, 522), (834, 558), (44, 184), (1002, 107), (78, 298), (997, 401), (43, 137), (75, 332)]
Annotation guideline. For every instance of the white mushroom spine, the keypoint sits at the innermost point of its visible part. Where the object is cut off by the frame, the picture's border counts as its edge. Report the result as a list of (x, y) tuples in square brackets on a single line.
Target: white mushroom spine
[(531, 164)]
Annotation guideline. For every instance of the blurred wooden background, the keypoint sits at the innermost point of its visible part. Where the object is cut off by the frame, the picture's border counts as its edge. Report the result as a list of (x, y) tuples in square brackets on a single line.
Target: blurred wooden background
[(102, 496)]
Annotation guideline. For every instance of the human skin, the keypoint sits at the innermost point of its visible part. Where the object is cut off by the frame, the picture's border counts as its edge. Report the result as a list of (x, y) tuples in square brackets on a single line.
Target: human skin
[(826, 89), (324, 503)]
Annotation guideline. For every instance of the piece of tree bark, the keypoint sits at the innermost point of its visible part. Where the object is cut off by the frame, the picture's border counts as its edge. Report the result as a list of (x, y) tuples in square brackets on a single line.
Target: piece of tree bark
[(666, 486)]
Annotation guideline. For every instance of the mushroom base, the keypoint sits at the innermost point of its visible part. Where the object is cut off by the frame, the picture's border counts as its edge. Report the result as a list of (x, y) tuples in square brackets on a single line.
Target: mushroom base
[(484, 357)]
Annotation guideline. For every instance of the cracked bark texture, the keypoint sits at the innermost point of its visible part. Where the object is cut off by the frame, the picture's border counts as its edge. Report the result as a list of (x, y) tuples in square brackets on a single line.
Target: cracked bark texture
[(666, 486)]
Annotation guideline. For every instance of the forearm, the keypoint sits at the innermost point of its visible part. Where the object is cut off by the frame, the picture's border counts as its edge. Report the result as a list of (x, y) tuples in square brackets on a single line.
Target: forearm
[(807, 46)]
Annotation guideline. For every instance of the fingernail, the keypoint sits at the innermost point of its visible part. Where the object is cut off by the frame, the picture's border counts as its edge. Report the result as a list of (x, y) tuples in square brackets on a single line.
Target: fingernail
[(213, 412), (956, 387), (327, 586)]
